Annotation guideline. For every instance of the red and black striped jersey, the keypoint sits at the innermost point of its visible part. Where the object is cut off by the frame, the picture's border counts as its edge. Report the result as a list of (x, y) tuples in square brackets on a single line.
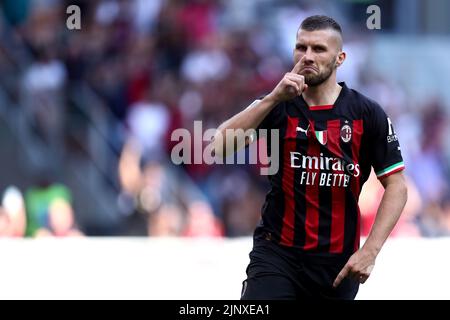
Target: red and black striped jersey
[(326, 155)]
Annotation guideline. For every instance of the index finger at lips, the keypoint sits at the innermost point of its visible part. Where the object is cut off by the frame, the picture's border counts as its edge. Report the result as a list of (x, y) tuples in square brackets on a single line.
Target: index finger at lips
[(298, 65)]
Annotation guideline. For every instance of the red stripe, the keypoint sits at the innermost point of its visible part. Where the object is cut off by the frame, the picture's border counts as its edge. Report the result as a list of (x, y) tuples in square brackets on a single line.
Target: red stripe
[(322, 107), (357, 133), (334, 132), (356, 144), (312, 197), (290, 144), (337, 192), (392, 172)]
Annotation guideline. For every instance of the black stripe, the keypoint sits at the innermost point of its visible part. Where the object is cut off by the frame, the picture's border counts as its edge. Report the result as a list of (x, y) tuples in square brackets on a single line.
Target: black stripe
[(350, 205), (324, 201), (300, 191), (277, 219)]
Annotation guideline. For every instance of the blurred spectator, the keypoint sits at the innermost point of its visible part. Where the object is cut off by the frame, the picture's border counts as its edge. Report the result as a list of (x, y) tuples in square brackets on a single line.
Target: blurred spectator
[(169, 202), (49, 211), (43, 101), (206, 62), (198, 19), (201, 221), (12, 213), (434, 220), (167, 221), (149, 122), (4, 223)]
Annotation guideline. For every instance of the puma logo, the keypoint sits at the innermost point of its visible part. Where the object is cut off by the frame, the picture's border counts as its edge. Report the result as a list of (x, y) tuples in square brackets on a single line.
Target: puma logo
[(305, 131)]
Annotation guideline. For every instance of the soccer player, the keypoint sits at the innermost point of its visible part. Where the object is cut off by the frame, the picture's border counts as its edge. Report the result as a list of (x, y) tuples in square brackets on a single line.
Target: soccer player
[(307, 243)]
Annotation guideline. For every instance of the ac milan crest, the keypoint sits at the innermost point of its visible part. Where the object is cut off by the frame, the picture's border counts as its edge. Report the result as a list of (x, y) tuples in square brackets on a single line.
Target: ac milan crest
[(346, 133)]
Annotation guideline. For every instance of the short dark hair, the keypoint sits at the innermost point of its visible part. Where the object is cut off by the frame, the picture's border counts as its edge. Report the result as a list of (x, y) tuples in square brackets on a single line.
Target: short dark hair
[(319, 22)]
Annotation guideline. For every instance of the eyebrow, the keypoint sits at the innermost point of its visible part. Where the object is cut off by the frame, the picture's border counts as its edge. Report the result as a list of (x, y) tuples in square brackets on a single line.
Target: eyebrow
[(320, 45)]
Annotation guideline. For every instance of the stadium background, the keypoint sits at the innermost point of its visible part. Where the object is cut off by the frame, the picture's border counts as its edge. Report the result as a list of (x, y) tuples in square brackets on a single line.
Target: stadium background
[(86, 117)]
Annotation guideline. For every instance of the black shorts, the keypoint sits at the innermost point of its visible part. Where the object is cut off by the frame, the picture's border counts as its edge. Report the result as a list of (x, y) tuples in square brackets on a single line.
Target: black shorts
[(276, 272)]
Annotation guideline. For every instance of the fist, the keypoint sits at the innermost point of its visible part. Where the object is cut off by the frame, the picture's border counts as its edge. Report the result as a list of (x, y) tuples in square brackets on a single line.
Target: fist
[(292, 84)]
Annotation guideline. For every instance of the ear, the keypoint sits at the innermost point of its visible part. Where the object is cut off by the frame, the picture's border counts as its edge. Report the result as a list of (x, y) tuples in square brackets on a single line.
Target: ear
[(340, 58)]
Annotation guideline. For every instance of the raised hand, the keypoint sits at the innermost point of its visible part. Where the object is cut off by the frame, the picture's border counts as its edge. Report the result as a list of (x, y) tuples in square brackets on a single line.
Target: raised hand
[(292, 84)]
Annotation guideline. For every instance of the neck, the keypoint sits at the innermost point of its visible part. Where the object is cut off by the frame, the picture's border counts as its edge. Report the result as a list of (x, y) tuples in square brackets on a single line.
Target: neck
[(324, 94)]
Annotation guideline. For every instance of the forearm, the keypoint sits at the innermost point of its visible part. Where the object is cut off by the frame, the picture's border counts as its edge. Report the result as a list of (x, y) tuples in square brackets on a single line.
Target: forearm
[(225, 140), (250, 118), (389, 211)]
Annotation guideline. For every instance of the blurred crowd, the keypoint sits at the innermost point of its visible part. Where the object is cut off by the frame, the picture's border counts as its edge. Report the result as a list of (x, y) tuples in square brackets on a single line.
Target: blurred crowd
[(162, 64)]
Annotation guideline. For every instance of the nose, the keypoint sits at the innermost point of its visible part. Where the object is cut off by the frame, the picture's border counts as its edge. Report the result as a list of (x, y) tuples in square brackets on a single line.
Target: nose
[(309, 57)]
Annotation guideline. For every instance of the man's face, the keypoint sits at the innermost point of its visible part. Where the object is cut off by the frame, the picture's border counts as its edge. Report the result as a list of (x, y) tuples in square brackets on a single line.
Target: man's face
[(322, 49)]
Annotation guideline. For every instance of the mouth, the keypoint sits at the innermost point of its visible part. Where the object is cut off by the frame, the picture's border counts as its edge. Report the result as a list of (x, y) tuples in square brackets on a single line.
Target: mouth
[(308, 69)]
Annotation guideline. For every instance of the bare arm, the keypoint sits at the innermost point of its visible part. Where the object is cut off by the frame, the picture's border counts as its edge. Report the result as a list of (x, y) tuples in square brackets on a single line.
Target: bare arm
[(389, 211), (361, 263), (290, 86), (250, 118)]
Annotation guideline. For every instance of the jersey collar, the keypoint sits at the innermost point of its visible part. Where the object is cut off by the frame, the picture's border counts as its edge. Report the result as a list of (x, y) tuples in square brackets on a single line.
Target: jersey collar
[(327, 106)]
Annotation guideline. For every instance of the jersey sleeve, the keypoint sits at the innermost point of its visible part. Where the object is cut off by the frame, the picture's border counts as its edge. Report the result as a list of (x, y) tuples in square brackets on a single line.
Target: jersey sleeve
[(272, 120), (386, 153)]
